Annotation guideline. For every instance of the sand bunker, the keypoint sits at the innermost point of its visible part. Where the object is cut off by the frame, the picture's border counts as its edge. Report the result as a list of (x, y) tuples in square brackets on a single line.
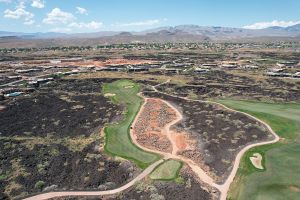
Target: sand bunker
[(109, 94), (294, 188), (256, 160)]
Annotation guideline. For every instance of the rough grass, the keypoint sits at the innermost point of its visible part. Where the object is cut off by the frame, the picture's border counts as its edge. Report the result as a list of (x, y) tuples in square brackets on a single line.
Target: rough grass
[(118, 141), (281, 178), (168, 170)]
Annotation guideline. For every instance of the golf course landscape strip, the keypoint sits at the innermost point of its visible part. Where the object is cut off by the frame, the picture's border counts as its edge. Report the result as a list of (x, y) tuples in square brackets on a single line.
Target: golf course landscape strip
[(118, 141), (168, 170), (281, 177)]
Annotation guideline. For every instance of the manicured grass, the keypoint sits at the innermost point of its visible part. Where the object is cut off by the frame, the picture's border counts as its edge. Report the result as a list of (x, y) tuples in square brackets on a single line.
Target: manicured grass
[(281, 177), (118, 141), (168, 170)]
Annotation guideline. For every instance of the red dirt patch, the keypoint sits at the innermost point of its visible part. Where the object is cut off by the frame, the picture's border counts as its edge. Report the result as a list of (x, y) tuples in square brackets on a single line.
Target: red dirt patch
[(108, 62), (149, 128), (97, 63), (181, 142)]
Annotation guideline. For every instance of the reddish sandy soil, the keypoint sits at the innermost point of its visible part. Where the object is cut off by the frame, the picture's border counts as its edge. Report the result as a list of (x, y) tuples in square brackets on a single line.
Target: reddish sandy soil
[(152, 130), (180, 141), (149, 128), (108, 62), (96, 63)]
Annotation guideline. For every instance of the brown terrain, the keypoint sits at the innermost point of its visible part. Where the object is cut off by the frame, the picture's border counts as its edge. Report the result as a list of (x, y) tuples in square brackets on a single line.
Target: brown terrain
[(106, 62), (151, 131), (149, 128), (95, 63)]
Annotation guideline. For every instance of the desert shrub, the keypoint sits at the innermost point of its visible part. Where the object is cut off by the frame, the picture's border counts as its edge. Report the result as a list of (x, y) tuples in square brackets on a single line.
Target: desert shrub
[(155, 196), (220, 116), (42, 167), (3, 177), (226, 128), (237, 122), (39, 185), (249, 125), (188, 183), (209, 122), (260, 127), (54, 152)]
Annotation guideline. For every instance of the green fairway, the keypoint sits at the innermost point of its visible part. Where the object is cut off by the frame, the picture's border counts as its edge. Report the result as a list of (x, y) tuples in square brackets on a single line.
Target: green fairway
[(117, 140), (168, 170), (281, 178)]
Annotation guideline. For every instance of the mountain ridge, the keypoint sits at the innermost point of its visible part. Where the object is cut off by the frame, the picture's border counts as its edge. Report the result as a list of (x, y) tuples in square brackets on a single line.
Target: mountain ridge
[(212, 32), (169, 34)]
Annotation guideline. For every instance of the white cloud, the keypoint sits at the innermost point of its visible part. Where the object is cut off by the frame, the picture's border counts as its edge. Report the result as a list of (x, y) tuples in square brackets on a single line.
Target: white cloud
[(140, 23), (261, 25), (21, 4), (76, 26), (20, 13), (91, 25), (57, 16), (81, 10), (38, 4)]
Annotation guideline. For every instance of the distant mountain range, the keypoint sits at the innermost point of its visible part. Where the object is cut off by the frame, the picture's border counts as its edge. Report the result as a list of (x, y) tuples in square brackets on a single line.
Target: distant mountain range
[(212, 32), (182, 33)]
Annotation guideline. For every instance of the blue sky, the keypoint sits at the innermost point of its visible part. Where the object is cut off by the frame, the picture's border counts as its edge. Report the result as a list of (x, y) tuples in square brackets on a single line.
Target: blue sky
[(136, 15)]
